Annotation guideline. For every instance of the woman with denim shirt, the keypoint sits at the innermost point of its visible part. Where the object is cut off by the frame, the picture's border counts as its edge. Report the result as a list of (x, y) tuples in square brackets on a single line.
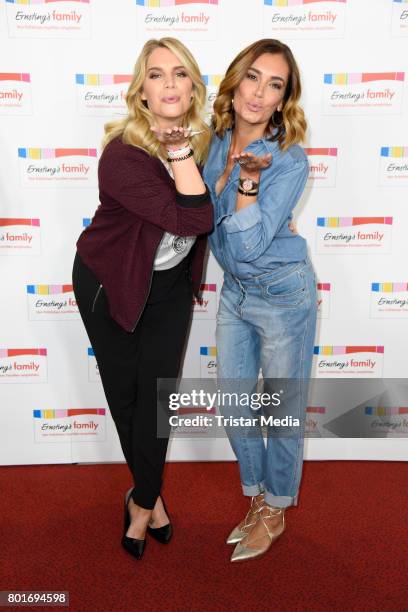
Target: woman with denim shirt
[(256, 172)]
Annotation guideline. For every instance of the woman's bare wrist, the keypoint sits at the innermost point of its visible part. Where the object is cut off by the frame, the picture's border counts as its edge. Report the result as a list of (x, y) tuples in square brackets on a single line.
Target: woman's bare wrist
[(176, 147), (254, 175)]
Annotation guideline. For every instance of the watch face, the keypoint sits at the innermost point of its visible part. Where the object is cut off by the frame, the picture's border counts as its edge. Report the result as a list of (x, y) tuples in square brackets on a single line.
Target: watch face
[(247, 184)]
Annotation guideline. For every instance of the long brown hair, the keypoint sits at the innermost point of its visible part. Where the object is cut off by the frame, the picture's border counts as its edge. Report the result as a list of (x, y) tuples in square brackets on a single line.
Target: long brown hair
[(290, 123)]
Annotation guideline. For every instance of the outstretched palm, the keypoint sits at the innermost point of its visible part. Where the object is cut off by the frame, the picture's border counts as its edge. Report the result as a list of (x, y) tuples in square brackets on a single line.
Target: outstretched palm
[(172, 136)]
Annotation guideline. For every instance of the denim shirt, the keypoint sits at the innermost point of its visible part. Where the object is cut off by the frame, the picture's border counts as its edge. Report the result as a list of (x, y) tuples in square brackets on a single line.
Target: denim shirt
[(253, 240)]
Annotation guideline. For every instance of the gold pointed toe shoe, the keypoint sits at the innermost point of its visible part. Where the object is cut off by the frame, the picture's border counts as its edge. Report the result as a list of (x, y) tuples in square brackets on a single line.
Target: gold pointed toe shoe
[(272, 521), (240, 531)]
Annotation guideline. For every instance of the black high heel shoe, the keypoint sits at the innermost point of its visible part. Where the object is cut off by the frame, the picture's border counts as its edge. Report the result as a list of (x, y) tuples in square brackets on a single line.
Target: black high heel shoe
[(161, 534), (132, 545)]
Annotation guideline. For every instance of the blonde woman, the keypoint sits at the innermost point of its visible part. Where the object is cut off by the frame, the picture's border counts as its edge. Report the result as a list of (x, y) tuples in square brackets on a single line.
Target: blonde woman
[(256, 172), (141, 258)]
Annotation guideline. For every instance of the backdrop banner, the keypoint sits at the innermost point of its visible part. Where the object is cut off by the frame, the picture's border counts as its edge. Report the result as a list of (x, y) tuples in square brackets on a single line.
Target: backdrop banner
[(65, 69)]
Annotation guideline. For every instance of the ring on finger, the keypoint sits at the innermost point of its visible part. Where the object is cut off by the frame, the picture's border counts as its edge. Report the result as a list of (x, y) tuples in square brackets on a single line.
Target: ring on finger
[(242, 162)]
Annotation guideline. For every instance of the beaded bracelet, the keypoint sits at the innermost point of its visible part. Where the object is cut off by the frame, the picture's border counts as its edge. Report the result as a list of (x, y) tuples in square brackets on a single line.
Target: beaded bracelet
[(176, 159), (173, 153)]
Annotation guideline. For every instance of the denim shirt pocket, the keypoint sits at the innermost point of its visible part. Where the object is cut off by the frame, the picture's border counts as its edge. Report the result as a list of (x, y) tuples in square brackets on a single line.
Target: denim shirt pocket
[(289, 291)]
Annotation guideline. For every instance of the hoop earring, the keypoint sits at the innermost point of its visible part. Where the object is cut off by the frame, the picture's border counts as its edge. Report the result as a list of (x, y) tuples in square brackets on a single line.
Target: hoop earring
[(277, 121)]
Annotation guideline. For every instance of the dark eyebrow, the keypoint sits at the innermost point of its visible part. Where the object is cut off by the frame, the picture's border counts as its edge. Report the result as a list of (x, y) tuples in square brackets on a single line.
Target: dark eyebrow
[(161, 69), (273, 78)]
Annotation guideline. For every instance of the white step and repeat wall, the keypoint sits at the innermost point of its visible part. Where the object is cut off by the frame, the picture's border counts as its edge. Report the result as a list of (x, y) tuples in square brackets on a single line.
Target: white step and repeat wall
[(65, 68)]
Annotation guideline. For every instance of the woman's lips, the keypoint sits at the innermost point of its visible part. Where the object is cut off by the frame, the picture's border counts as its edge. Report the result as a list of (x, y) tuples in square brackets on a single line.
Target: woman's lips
[(254, 107), (171, 99)]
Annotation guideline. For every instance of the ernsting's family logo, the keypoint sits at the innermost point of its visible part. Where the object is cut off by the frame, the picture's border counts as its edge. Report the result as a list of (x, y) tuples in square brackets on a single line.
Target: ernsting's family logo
[(389, 300), (102, 94), (51, 303), (80, 424), (15, 93), (361, 93), (355, 234), (20, 236), (49, 18), (322, 166), (212, 83), (305, 18), (63, 167), (394, 166), (387, 421), (23, 365), (323, 300), (314, 421), (208, 361), (348, 361), (399, 25), (206, 306), (175, 17), (93, 369)]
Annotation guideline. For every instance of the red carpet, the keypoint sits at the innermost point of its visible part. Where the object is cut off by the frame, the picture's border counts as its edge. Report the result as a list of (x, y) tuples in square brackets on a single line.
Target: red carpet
[(345, 547)]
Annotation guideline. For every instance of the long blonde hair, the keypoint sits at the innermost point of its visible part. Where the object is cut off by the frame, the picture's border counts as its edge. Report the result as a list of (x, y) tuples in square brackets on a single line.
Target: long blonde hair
[(290, 123), (135, 127)]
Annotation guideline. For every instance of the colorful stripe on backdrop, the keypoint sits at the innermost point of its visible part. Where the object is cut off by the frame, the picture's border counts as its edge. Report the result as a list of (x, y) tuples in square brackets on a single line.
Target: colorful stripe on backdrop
[(36, 153), (91, 352), (320, 151), (297, 2), (316, 409), (211, 351), (10, 221), (86, 222), (212, 80), (350, 221), (102, 79), (15, 76), (382, 411), (208, 287), (345, 350), (389, 287), (401, 1), (352, 78), (394, 151), (164, 3), (323, 286), (18, 352), (44, 1), (60, 414), (48, 289)]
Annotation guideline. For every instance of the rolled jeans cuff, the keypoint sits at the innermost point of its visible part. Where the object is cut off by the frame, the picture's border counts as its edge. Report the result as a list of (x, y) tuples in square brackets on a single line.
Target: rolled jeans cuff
[(280, 501), (276, 501), (253, 490)]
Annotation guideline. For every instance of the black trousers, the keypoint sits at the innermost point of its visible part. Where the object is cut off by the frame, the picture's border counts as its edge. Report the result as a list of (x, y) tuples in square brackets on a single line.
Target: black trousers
[(130, 363)]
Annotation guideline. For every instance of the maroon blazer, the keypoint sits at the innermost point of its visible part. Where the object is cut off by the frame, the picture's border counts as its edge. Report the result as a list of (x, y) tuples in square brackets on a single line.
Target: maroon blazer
[(138, 202)]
